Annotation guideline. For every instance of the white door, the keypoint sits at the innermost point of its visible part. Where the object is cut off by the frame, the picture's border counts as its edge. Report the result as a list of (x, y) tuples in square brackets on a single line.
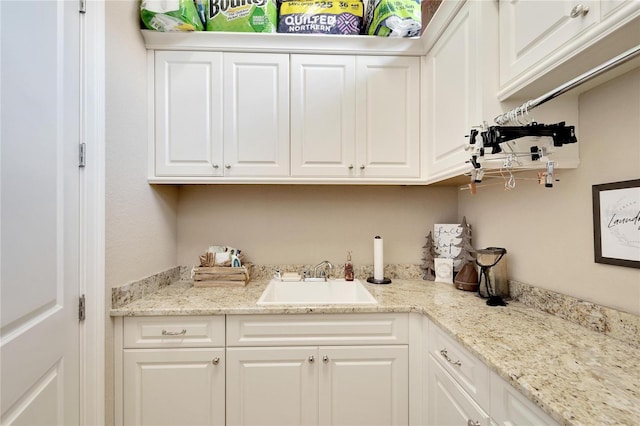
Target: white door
[(448, 403), (188, 113), (364, 385), (256, 114), (323, 122), (388, 116), (532, 30), (39, 226), (272, 386), (174, 387)]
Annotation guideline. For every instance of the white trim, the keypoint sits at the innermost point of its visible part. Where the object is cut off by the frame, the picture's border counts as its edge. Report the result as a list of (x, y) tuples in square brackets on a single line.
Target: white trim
[(92, 330)]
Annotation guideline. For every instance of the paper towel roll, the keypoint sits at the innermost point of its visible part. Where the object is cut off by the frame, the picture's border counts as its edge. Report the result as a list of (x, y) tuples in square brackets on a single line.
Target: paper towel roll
[(378, 260)]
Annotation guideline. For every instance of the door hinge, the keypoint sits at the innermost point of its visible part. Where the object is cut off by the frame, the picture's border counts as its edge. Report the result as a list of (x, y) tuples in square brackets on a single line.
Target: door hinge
[(82, 7), (82, 155), (82, 310)]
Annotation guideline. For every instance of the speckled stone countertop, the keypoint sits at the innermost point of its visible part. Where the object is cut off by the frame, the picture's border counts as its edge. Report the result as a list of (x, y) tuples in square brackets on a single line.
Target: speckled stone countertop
[(576, 375)]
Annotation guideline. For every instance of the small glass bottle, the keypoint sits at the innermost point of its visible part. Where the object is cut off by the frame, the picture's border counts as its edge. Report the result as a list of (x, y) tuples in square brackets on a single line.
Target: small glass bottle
[(348, 268)]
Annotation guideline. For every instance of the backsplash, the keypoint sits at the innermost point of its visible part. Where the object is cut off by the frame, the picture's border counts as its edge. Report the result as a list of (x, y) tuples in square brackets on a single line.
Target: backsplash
[(616, 324)]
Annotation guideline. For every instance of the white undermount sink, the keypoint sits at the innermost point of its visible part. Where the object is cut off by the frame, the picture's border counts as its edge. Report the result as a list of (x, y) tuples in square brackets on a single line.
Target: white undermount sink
[(332, 292)]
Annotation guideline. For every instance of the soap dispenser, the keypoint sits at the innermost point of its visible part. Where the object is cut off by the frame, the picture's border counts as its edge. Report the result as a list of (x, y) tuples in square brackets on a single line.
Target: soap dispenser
[(348, 268)]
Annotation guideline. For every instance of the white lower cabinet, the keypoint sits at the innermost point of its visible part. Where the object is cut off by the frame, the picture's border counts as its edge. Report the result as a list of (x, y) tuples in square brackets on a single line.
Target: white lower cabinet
[(509, 407), (460, 389), (349, 385), (173, 371), (174, 387), (364, 385), (311, 369), (448, 403), (342, 369)]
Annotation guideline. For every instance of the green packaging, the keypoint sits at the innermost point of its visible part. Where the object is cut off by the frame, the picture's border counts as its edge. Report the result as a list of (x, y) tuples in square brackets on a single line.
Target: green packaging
[(393, 18), (170, 15), (259, 16)]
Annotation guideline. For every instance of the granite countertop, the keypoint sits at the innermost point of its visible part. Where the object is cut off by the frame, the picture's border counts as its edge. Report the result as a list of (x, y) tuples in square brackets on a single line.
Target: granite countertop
[(576, 375)]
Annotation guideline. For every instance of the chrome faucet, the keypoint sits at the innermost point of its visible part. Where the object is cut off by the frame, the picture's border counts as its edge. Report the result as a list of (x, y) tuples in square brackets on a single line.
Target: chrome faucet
[(325, 265)]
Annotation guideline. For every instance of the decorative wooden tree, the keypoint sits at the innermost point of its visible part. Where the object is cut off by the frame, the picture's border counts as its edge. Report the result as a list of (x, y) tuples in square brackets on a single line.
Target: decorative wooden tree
[(428, 264), (466, 250)]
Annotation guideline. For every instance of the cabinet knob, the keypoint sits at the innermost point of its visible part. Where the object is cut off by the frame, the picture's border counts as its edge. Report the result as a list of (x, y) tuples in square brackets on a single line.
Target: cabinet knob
[(227, 166), (445, 355), (215, 166), (350, 166), (325, 359), (215, 361), (312, 359), (473, 423), (361, 166), (579, 10)]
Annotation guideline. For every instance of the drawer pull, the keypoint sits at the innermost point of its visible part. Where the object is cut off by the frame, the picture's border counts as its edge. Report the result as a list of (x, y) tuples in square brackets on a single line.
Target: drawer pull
[(473, 423), (445, 355), (174, 333), (215, 361), (579, 10)]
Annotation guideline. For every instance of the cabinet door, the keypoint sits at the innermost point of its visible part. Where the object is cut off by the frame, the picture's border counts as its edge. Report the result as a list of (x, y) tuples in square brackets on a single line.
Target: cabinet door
[(510, 407), (459, 84), (174, 387), (387, 116), (256, 114), (323, 126), (272, 386), (188, 114), (531, 30), (449, 404), (364, 385)]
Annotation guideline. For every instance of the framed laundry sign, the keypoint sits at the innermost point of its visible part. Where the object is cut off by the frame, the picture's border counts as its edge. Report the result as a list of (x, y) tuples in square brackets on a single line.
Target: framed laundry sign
[(616, 223)]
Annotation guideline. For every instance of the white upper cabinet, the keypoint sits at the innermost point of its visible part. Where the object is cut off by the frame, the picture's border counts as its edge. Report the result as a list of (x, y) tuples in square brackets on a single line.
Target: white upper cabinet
[(188, 114), (355, 116), (221, 114), (323, 115), (256, 114), (387, 116), (543, 44), (459, 81), (224, 110), (534, 29)]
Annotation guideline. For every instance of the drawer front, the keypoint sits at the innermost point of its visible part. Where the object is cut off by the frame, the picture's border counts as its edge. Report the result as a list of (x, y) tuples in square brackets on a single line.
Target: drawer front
[(510, 407), (326, 329), (448, 403), (169, 332), (470, 373)]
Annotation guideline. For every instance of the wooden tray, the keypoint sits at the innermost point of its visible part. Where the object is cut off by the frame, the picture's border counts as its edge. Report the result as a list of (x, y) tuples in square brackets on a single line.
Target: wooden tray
[(221, 276)]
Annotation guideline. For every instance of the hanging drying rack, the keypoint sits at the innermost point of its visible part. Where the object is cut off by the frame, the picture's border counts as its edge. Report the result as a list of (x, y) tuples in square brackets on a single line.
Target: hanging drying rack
[(512, 116), (517, 124)]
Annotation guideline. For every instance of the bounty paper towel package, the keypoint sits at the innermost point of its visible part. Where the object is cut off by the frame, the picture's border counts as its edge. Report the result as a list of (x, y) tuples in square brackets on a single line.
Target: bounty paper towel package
[(258, 16), (321, 17)]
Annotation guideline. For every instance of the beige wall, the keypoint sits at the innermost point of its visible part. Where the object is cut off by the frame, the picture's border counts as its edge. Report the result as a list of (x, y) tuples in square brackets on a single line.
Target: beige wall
[(140, 219), (549, 232), (306, 224)]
